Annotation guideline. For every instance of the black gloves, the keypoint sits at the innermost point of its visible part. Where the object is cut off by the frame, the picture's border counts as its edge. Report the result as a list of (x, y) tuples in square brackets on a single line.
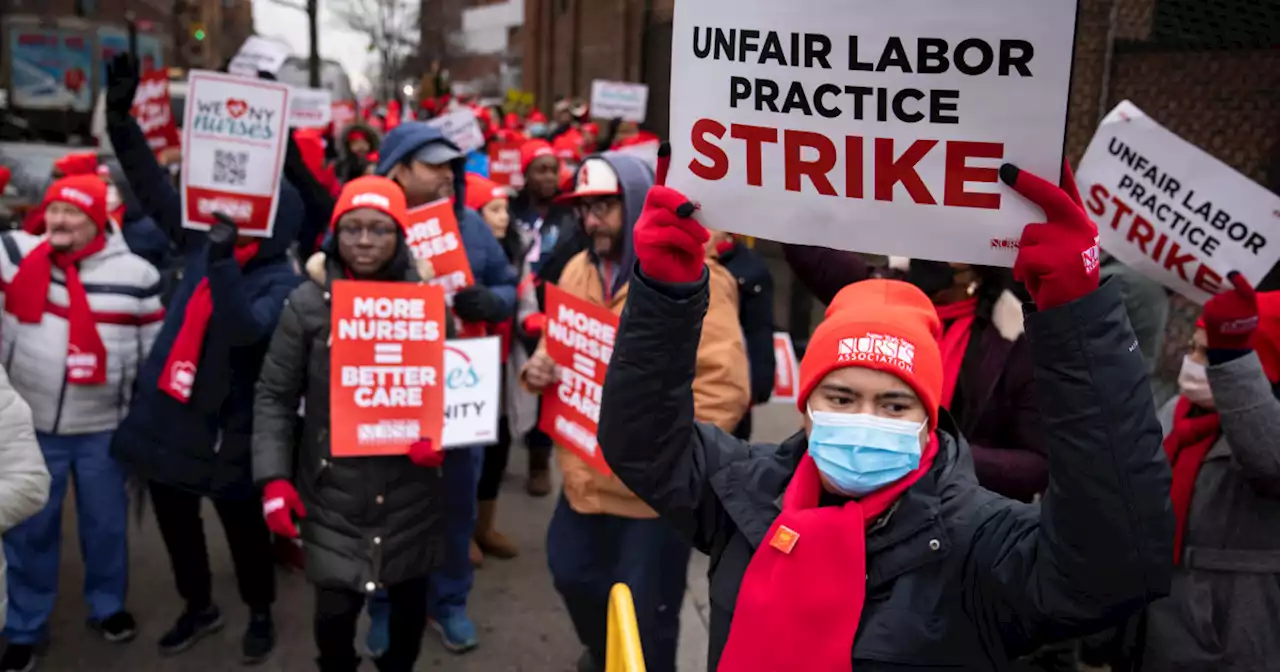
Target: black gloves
[(478, 304), (122, 85), (222, 238)]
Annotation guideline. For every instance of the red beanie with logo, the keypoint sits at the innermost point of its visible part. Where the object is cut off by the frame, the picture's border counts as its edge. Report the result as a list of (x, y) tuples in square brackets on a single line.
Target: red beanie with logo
[(533, 149), (481, 190), (86, 192), (885, 325), (374, 192)]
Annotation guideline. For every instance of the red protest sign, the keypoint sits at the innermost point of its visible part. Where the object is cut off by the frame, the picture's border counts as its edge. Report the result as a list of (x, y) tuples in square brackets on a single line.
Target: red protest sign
[(385, 362), (504, 164), (433, 235), (579, 337), (153, 110), (786, 372)]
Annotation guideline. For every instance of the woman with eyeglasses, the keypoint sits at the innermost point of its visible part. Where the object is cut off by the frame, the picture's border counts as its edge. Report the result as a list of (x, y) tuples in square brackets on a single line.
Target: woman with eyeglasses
[(368, 524)]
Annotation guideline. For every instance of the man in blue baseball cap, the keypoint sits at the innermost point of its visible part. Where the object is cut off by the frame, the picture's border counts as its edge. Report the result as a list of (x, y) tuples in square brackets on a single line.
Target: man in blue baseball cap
[(428, 167)]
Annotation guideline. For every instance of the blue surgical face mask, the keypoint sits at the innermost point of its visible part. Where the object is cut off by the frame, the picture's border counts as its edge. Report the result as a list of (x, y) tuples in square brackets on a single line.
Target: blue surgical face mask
[(861, 453)]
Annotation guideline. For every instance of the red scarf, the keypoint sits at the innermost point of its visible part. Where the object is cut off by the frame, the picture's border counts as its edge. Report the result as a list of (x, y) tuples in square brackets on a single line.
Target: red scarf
[(955, 340), (27, 299), (801, 598), (1186, 446), (179, 374)]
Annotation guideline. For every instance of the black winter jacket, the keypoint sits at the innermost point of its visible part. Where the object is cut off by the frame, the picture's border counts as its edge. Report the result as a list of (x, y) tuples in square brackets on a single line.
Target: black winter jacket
[(371, 522), (958, 577)]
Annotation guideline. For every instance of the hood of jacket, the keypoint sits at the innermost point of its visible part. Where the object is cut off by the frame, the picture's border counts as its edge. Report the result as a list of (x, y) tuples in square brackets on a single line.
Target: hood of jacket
[(375, 138), (411, 136), (636, 178)]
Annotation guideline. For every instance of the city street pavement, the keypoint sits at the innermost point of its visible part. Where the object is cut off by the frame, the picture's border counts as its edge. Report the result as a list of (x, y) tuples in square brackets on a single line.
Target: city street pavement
[(522, 624)]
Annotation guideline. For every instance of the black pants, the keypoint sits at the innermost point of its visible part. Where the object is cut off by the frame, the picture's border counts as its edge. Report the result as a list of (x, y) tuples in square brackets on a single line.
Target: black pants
[(178, 513), (337, 610), (495, 463)]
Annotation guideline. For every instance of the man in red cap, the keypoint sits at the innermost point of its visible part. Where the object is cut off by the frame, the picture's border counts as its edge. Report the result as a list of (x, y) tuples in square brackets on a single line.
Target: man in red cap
[(864, 540), (80, 313), (352, 535)]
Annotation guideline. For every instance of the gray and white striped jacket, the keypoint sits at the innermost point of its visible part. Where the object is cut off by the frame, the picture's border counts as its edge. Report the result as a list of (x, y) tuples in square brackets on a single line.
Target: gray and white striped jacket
[(124, 294)]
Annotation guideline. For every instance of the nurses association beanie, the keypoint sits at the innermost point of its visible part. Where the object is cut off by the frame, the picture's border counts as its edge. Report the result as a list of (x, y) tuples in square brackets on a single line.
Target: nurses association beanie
[(886, 325), (531, 150), (481, 190), (370, 191), (86, 192)]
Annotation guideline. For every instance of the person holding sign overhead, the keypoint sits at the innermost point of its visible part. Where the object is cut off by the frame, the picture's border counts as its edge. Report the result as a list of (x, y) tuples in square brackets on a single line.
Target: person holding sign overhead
[(864, 541), (189, 428), (368, 523), (428, 167), (1220, 437), (602, 533)]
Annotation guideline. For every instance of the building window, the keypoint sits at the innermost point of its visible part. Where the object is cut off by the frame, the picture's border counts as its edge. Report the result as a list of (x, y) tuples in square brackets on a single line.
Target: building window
[(1240, 24), (86, 7)]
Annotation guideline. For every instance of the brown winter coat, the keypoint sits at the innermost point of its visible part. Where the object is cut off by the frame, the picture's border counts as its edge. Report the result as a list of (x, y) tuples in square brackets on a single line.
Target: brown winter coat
[(721, 387)]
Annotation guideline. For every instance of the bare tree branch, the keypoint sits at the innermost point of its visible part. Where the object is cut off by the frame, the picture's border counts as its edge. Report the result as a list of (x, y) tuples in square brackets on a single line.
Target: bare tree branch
[(301, 7)]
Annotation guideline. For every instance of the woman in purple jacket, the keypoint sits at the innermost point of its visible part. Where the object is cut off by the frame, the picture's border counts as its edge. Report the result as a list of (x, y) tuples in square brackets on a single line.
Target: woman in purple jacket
[(986, 361)]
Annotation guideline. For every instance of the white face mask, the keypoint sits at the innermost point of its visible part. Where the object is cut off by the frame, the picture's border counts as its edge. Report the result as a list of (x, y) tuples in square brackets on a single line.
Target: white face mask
[(1193, 382)]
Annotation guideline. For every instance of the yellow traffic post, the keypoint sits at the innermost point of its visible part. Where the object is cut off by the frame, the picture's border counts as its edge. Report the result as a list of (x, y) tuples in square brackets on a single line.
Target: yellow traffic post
[(622, 649)]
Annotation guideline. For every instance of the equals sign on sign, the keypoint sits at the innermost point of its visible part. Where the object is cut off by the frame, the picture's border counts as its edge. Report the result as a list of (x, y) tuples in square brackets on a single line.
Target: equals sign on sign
[(388, 353)]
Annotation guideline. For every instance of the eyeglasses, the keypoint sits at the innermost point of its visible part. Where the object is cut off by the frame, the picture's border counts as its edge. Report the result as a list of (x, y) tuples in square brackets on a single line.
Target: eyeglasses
[(597, 208), (355, 232)]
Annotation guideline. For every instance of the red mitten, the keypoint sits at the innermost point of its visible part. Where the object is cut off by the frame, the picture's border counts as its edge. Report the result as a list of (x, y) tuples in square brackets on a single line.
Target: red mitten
[(669, 243), (424, 454), (1231, 317), (534, 324), (1057, 261), (280, 502)]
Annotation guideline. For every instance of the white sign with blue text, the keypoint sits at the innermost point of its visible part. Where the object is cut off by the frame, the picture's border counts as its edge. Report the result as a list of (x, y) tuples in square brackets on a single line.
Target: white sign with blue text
[(472, 385)]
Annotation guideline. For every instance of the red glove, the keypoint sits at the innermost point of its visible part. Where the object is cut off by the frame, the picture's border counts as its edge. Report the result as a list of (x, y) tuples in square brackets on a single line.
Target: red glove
[(1057, 261), (670, 245), (424, 454), (280, 503), (534, 324), (1231, 317)]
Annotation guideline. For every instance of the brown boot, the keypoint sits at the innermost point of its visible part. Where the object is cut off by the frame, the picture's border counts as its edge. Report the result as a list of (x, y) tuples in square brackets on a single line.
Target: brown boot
[(490, 540), (539, 472), (477, 558)]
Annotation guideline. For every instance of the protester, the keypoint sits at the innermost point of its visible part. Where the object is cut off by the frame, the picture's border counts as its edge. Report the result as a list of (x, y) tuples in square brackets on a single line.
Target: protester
[(188, 432), (24, 478), (357, 142), (367, 523), (557, 239), (82, 311), (1220, 438), (987, 381), (601, 533), (491, 201), (755, 315), (865, 539), (428, 167), (73, 164)]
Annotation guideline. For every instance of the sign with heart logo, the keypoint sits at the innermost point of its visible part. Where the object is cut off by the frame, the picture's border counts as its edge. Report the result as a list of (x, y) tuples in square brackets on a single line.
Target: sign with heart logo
[(234, 135)]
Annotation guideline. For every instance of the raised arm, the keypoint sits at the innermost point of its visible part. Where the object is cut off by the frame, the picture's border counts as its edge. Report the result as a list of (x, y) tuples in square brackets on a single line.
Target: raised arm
[(824, 271), (149, 181), (1250, 417)]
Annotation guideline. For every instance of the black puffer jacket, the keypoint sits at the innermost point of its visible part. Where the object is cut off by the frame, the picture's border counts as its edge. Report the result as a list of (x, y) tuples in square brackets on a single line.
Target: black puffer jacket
[(958, 577), (371, 521)]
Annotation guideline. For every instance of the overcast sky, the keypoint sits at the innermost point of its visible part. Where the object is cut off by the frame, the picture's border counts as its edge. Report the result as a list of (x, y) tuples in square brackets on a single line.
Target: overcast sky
[(290, 25)]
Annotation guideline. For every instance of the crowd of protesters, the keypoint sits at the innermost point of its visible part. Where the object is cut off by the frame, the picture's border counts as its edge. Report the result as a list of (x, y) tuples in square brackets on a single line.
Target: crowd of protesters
[(1004, 492)]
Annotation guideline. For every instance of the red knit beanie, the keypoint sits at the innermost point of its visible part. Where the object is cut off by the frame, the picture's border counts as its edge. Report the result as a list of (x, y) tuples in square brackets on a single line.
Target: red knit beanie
[(86, 192), (481, 190), (370, 191), (533, 149), (886, 325)]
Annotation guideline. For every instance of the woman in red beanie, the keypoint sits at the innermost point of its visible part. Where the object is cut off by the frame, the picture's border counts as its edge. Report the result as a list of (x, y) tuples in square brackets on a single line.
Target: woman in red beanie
[(864, 541), (1221, 440)]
